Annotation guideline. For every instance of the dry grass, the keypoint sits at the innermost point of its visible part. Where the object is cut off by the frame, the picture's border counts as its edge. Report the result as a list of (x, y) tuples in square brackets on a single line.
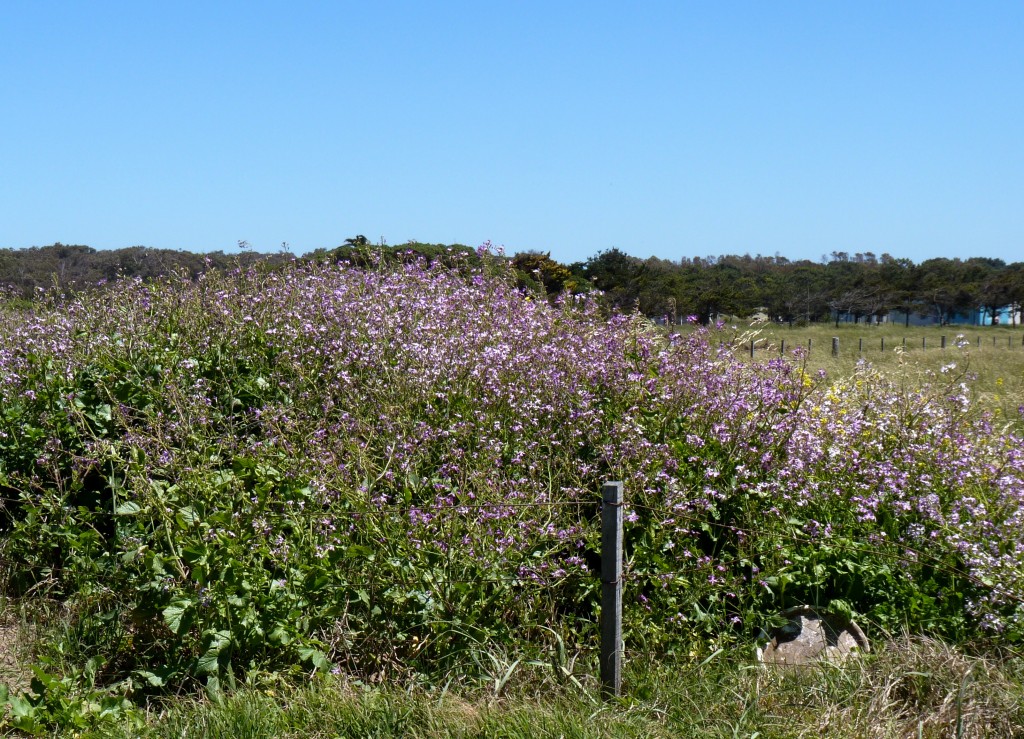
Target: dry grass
[(911, 687), (16, 636), (914, 687), (992, 357)]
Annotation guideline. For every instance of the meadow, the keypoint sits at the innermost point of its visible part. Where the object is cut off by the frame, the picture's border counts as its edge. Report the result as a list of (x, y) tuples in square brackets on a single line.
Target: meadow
[(992, 357), (383, 482)]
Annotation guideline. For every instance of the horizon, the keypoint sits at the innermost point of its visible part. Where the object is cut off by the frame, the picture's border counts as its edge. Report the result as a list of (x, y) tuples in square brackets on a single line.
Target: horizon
[(825, 259), (671, 130)]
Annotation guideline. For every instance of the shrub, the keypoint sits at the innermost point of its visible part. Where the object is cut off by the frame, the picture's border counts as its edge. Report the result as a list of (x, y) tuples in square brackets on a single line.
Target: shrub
[(387, 468)]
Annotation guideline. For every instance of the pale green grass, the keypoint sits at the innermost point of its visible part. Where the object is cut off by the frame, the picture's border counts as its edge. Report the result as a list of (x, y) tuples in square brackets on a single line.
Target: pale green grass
[(912, 687), (992, 359)]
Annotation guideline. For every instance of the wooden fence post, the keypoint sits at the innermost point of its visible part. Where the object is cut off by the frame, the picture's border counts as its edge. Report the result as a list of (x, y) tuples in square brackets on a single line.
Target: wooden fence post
[(782, 347), (943, 342), (752, 348), (835, 346), (611, 589)]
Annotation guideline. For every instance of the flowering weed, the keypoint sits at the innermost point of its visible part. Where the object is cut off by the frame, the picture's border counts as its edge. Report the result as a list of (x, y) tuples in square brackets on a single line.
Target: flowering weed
[(379, 469)]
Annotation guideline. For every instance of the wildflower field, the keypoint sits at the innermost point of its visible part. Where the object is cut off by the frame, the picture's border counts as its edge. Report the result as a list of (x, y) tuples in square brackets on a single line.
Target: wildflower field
[(393, 473)]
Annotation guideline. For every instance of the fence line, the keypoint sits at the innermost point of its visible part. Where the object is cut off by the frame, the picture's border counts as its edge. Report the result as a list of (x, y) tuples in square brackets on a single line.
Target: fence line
[(779, 345)]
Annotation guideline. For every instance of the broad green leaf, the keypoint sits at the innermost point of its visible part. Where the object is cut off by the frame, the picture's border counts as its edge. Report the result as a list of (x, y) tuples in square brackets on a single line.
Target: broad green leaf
[(317, 658), (128, 508), (177, 615), (280, 636), (209, 663), (20, 706), (151, 677), (187, 517)]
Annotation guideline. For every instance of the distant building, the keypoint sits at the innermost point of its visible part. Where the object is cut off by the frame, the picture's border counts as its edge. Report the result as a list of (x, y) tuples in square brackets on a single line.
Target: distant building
[(1007, 316)]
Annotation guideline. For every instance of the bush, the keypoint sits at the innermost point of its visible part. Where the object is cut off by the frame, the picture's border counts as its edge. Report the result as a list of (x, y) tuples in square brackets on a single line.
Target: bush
[(386, 469)]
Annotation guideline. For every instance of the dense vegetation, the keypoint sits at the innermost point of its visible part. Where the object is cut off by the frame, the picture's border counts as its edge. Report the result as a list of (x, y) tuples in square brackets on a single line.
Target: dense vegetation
[(391, 470), (856, 287)]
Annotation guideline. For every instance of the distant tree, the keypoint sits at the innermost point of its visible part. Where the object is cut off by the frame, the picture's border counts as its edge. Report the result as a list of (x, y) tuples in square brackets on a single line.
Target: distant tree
[(538, 270), (988, 283), (618, 275), (1013, 278), (946, 289)]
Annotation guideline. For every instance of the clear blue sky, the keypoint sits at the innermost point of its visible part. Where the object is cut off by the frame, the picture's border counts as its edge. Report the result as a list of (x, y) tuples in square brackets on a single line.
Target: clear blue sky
[(662, 128)]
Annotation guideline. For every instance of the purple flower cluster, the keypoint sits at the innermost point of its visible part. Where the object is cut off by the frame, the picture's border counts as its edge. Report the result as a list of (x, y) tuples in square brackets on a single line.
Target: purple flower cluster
[(482, 421)]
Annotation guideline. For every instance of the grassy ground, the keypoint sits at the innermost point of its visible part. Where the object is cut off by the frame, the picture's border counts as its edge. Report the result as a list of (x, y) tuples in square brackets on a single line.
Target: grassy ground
[(992, 357), (907, 687), (912, 687)]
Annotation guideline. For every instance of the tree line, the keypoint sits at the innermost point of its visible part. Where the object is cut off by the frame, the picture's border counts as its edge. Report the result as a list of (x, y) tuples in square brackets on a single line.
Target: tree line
[(856, 287), (25, 271)]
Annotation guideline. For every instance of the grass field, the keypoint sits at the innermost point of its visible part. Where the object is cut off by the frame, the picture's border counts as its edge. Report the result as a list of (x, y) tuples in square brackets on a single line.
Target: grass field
[(990, 358)]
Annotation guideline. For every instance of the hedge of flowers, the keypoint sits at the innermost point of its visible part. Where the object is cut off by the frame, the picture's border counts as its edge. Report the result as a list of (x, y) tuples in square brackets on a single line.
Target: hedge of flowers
[(387, 468)]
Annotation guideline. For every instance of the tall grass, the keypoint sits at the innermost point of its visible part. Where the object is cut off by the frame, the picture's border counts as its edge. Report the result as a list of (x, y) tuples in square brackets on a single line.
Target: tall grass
[(912, 687)]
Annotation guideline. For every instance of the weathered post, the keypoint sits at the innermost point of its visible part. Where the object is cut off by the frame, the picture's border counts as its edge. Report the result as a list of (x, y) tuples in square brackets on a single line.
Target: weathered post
[(943, 342), (611, 589), (835, 346), (924, 342), (883, 343), (860, 346), (752, 348), (782, 347)]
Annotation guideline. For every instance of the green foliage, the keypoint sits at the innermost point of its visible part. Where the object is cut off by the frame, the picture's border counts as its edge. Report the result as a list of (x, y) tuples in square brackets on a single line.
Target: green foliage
[(542, 273), (71, 701), (392, 472)]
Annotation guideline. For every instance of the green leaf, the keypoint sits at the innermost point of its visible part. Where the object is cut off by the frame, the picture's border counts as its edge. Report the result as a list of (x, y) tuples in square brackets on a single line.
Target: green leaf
[(841, 608), (280, 636), (128, 508), (187, 517), (151, 677), (213, 690), (178, 615), (21, 707), (209, 663), (317, 658)]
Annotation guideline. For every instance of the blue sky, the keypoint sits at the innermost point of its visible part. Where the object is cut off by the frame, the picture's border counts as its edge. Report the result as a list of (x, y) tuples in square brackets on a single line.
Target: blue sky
[(661, 128)]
